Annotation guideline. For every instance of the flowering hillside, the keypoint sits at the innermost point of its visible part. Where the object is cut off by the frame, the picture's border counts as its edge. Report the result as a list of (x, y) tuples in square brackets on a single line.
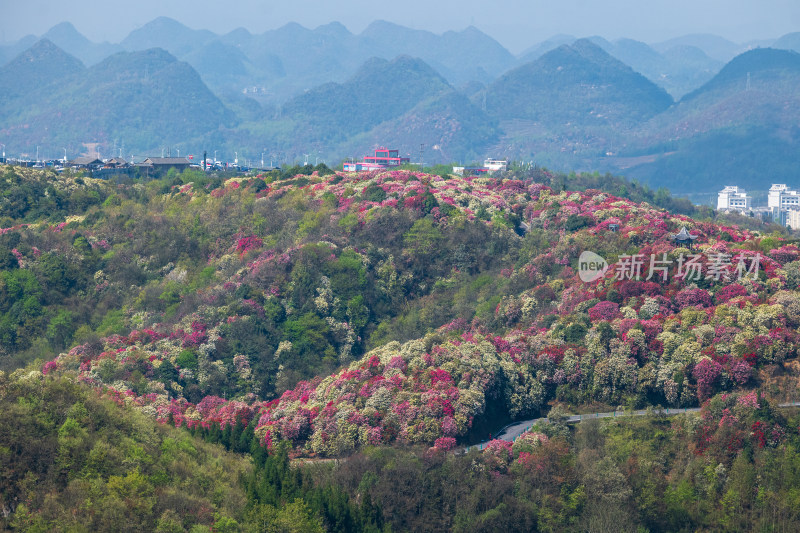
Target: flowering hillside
[(356, 309), (392, 318)]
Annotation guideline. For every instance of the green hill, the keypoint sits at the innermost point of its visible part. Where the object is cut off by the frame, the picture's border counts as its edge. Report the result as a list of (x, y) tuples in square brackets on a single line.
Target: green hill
[(763, 65), (223, 67), (149, 99), (381, 90), (679, 70), (690, 68), (714, 46), (39, 67), (579, 84), (742, 123), (12, 50), (72, 460)]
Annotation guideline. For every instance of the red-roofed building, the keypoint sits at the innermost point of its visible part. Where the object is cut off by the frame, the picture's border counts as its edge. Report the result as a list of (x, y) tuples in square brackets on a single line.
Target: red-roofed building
[(383, 158)]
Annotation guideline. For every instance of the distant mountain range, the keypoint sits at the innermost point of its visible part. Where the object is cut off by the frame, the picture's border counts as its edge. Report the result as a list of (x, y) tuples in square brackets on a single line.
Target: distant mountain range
[(692, 113), (292, 58)]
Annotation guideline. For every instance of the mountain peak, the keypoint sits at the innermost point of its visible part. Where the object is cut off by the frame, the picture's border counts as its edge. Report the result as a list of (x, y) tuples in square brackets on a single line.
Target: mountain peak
[(239, 33), (578, 84), (42, 64), (292, 27), (714, 46), (334, 28), (42, 47), (165, 22), (44, 51), (591, 49), (169, 34), (382, 30), (376, 66), (65, 32), (153, 56), (379, 24), (602, 42)]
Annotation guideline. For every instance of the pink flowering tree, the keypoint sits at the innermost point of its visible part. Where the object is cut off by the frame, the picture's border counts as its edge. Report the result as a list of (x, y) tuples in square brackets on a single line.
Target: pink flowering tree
[(497, 455), (706, 373), (740, 371), (692, 298), (604, 311), (445, 443)]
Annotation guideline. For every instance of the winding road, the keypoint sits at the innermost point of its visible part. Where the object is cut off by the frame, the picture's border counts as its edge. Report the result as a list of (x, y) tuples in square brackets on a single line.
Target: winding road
[(514, 430)]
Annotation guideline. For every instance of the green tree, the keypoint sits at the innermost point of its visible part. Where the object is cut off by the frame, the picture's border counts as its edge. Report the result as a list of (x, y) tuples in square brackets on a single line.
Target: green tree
[(422, 239), (60, 329)]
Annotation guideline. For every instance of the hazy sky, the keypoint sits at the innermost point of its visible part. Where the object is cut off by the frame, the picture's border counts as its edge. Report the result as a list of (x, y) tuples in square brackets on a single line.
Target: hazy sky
[(516, 24)]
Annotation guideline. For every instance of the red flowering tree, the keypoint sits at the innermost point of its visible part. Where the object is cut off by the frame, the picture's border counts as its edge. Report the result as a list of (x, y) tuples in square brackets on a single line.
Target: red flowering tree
[(728, 292), (245, 244)]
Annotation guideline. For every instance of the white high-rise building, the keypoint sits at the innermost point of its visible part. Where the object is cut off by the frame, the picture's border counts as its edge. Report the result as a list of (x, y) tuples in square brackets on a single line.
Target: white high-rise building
[(781, 198), (781, 201), (732, 198)]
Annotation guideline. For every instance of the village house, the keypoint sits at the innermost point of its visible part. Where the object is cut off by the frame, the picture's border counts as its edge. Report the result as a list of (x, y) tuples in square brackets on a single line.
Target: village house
[(159, 166)]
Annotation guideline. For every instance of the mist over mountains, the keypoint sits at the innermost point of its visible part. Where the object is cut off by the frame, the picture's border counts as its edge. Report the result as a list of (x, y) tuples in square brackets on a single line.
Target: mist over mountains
[(693, 113)]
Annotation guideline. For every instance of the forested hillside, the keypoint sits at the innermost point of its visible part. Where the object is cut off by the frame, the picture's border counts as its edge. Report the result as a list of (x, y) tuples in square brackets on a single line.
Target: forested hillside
[(578, 84), (383, 321)]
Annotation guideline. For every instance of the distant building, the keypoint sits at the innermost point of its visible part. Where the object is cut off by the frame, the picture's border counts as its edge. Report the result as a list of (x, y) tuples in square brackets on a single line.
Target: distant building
[(780, 197), (383, 158), (780, 201), (360, 166), (114, 167), (116, 162), (254, 90), (496, 165), (763, 214), (86, 162), (732, 198), (490, 166), (159, 166)]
